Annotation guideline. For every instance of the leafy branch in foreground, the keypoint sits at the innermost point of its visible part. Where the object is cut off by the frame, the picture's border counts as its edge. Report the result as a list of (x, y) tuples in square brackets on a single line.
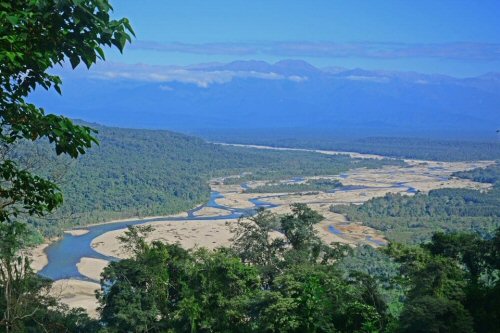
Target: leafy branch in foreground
[(35, 36)]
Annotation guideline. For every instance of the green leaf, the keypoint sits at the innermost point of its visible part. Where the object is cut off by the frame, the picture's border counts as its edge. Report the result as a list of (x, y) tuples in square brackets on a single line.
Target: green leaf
[(74, 60), (13, 19)]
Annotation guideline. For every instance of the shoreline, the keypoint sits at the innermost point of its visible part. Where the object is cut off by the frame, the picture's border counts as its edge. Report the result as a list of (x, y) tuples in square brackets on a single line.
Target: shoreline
[(129, 219), (38, 254)]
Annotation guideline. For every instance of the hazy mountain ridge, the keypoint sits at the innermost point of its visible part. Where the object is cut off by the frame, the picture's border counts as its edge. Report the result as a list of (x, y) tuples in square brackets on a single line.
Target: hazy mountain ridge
[(287, 94)]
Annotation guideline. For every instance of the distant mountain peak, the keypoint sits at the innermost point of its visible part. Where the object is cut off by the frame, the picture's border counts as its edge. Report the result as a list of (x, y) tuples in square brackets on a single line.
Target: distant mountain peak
[(295, 64), (248, 65), (490, 76)]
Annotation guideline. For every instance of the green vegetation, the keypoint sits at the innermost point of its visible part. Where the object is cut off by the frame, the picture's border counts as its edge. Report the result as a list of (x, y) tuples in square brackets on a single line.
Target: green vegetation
[(413, 219), (26, 304), (295, 283), (36, 35), (146, 173), (279, 165), (321, 184), (452, 284), (377, 264), (287, 284), (399, 147), (490, 174)]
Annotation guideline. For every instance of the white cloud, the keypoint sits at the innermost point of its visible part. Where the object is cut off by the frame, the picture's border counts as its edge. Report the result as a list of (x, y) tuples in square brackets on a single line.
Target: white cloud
[(297, 78), (382, 50), (166, 88), (165, 74)]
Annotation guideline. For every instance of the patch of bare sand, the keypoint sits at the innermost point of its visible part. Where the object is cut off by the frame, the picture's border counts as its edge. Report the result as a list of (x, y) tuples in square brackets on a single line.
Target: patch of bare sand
[(76, 232), (210, 211), (77, 294), (236, 200), (343, 197), (38, 257), (91, 267), (426, 186), (326, 152), (189, 234), (421, 176)]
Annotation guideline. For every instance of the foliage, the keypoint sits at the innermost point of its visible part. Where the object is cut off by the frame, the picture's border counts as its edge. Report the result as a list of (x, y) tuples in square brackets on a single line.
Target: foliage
[(272, 242), (165, 287), (453, 284), (490, 174), (314, 298), (25, 299), (36, 35), (433, 149), (274, 279), (382, 269), (260, 284), (415, 218), (149, 173)]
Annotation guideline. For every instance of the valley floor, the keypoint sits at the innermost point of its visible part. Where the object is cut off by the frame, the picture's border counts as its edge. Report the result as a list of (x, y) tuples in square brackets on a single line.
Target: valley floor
[(191, 230)]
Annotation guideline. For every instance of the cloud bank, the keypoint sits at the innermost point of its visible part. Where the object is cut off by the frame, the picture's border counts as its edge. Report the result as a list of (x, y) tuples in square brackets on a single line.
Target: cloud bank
[(458, 50), (166, 74)]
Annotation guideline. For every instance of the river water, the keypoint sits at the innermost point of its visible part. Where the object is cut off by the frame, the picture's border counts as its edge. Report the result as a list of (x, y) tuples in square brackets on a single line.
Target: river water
[(66, 253)]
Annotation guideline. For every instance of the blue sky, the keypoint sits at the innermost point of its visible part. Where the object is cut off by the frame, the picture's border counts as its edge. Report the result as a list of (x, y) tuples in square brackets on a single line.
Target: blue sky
[(460, 38)]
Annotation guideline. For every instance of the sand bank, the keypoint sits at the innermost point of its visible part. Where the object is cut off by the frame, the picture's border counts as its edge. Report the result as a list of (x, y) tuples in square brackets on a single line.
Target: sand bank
[(210, 211), (76, 232), (77, 294), (91, 267), (38, 257), (189, 234)]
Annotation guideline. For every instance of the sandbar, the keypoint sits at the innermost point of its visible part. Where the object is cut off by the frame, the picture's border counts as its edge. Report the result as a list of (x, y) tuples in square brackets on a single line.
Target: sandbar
[(77, 294), (189, 234), (38, 257), (91, 267), (76, 232)]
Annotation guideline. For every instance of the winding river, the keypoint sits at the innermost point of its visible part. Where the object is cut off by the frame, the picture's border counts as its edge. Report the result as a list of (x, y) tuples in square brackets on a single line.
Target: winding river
[(64, 254)]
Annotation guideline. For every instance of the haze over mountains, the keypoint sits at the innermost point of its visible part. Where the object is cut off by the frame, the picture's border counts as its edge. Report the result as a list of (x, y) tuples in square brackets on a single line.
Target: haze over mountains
[(290, 94)]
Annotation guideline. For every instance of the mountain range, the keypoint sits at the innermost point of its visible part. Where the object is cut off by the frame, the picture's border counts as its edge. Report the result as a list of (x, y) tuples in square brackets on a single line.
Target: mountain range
[(290, 94)]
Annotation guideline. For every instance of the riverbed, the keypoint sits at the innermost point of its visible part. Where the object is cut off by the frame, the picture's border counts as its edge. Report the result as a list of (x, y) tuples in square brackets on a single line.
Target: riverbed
[(81, 254)]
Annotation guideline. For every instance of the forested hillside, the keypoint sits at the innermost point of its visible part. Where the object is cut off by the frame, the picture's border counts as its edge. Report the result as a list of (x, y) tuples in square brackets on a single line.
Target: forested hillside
[(399, 147), (413, 219), (145, 173)]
